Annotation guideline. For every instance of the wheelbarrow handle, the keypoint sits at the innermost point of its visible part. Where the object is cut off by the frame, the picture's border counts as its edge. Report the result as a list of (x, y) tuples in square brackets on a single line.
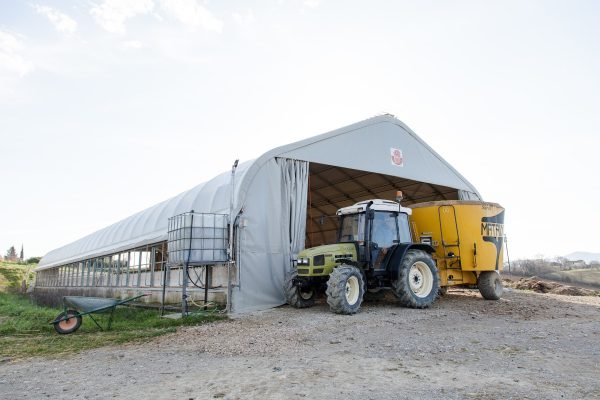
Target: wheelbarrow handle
[(132, 298)]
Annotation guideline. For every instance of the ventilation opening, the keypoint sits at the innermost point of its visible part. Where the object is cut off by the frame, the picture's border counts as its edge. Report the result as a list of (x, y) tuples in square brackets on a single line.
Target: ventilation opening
[(331, 188)]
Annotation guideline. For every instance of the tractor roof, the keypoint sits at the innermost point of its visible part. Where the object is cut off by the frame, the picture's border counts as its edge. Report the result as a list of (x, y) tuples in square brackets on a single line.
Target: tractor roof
[(378, 205)]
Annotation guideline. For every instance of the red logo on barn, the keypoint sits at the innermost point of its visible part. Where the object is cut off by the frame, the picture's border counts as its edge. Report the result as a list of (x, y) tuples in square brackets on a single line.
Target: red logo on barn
[(397, 158)]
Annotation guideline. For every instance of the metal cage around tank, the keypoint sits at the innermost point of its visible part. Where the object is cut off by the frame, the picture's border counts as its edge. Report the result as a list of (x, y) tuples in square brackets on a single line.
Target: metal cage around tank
[(198, 238)]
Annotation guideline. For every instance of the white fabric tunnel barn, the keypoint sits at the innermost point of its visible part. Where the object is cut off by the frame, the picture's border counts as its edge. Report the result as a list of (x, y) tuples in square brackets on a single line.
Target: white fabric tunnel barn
[(283, 201)]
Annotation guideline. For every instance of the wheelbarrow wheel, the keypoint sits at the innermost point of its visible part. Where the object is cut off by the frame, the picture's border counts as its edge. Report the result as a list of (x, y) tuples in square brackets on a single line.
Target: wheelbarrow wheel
[(70, 324)]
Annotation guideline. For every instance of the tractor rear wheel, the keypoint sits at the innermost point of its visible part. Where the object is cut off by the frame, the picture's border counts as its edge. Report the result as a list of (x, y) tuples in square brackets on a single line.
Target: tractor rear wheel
[(345, 289), (490, 285), (296, 296), (418, 283)]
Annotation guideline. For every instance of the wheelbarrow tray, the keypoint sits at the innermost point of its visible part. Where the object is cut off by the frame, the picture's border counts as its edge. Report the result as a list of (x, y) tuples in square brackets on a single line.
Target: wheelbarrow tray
[(91, 304), (75, 307)]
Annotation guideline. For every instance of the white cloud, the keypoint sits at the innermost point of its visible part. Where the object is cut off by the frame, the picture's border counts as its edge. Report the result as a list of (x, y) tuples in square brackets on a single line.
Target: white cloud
[(9, 43), (192, 14), (10, 60), (312, 3), (112, 14), (133, 44), (244, 18), (62, 22)]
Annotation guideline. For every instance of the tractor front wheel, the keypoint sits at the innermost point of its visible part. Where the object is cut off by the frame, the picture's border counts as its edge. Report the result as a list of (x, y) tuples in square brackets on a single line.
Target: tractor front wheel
[(297, 296), (345, 290), (418, 284), (490, 285)]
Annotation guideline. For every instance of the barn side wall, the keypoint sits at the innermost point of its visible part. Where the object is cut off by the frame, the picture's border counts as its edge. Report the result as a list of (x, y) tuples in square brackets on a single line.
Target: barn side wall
[(127, 274), (52, 296)]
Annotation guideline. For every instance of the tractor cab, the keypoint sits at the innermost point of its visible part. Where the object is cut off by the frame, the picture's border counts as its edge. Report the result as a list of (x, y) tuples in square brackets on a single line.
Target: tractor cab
[(375, 226)]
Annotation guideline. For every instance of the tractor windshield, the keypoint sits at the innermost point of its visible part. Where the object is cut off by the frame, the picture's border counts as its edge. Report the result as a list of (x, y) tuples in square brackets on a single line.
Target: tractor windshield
[(384, 229), (352, 227)]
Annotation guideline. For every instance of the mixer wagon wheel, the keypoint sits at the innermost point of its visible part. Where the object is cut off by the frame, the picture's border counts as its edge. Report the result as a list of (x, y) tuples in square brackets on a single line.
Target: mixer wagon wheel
[(490, 285), (418, 283), (295, 295)]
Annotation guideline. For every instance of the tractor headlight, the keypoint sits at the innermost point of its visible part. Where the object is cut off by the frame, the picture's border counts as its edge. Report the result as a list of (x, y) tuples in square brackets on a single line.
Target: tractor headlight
[(303, 261)]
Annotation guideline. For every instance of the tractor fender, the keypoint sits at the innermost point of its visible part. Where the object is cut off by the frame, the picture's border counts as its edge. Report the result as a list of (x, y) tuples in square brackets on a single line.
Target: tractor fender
[(398, 254)]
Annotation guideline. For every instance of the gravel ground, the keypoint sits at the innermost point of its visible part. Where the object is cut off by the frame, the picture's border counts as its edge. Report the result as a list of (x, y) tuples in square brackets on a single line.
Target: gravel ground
[(525, 346)]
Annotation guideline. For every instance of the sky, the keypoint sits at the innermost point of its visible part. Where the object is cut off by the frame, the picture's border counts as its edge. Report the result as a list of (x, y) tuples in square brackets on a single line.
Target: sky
[(108, 107)]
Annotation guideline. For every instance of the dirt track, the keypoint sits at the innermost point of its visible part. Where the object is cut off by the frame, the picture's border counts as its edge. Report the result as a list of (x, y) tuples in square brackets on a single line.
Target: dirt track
[(526, 346)]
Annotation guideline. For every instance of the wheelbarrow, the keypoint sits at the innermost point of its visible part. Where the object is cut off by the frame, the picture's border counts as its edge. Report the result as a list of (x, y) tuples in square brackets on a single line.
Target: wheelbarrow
[(75, 307)]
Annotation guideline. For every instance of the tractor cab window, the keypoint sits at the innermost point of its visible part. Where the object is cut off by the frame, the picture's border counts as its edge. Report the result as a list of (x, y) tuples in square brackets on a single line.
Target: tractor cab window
[(404, 228), (385, 230), (352, 228)]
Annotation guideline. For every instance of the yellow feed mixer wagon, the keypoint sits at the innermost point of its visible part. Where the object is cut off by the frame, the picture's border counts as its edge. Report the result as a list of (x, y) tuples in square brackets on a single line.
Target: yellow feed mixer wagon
[(468, 238)]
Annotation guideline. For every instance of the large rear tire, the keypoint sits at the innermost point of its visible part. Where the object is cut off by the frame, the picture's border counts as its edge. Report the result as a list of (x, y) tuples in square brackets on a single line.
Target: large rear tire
[(490, 285), (295, 296), (418, 283), (345, 290)]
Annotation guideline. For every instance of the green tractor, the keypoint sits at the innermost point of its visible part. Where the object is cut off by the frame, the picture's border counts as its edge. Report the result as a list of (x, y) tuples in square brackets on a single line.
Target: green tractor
[(374, 252)]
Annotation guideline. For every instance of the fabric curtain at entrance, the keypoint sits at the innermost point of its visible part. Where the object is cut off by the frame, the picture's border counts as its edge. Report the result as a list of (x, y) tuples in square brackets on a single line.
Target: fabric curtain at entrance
[(273, 232), (294, 203)]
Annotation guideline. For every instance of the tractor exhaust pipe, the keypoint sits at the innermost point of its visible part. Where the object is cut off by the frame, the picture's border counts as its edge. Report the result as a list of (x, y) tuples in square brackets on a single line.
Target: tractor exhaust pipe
[(368, 232)]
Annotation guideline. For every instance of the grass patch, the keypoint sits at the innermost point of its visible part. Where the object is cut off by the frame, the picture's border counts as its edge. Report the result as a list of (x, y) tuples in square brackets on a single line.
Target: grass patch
[(12, 274), (25, 332), (585, 276)]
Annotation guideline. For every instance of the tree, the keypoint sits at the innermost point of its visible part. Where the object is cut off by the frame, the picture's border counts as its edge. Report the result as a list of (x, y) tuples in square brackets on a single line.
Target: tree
[(11, 254), (564, 262), (22, 256)]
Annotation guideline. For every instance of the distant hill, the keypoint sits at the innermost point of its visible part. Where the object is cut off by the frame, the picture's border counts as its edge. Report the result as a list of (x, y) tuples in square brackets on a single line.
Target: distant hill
[(583, 255)]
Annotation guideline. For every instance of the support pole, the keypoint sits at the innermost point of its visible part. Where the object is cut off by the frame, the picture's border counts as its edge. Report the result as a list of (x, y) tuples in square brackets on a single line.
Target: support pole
[(507, 256), (164, 287), (231, 260), (206, 283), (184, 303)]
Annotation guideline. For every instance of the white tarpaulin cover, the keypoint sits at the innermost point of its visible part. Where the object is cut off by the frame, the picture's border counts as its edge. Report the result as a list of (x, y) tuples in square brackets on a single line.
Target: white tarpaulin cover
[(271, 195)]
